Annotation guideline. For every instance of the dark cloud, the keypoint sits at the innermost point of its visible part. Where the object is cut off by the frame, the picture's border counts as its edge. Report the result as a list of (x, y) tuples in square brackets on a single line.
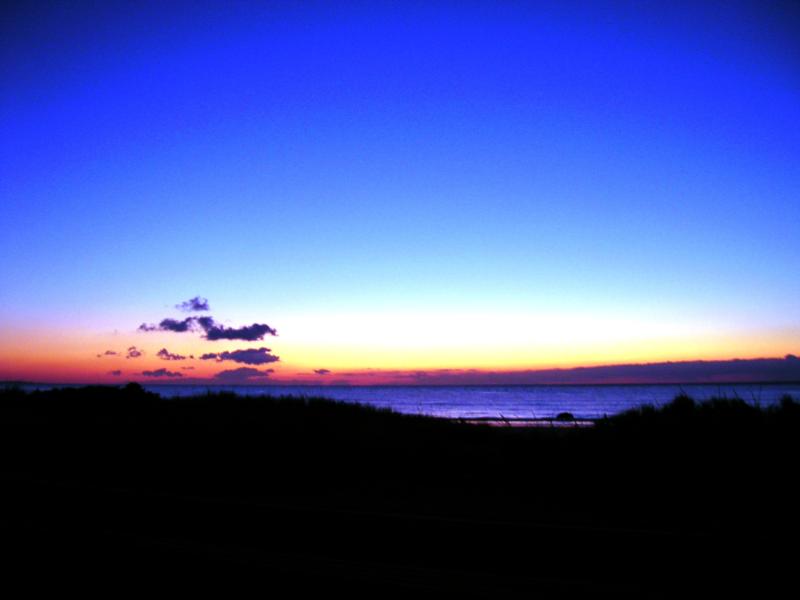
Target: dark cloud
[(196, 304), (205, 323), (177, 326), (164, 354), (115, 372), (134, 352), (174, 325), (213, 330), (785, 369), (161, 373), (250, 356), (322, 371), (108, 353), (242, 375), (250, 333)]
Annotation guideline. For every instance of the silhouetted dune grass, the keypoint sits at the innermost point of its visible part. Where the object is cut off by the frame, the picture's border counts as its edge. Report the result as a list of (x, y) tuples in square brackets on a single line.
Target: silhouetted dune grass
[(722, 467), (240, 444)]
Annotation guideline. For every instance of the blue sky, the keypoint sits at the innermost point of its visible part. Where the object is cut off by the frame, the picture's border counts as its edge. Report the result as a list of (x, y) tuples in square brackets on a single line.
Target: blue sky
[(589, 158)]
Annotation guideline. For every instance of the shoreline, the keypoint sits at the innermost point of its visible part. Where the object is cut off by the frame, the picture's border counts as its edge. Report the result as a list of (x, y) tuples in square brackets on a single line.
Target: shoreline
[(523, 421)]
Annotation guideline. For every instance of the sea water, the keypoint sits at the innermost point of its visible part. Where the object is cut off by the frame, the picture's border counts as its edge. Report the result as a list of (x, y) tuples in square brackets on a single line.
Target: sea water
[(506, 402)]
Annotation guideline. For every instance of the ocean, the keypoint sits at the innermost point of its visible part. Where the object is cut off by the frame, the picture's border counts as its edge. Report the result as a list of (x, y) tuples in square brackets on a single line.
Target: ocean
[(507, 402)]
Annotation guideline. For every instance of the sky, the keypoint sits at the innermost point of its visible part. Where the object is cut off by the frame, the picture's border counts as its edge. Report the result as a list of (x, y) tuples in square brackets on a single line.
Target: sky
[(395, 188)]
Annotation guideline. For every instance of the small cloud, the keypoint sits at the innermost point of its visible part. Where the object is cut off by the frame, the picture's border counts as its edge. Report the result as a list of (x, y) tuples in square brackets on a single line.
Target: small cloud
[(188, 368), (196, 304), (173, 325), (249, 333), (242, 375), (116, 372), (108, 353), (134, 352), (161, 373), (251, 356), (322, 371), (164, 354)]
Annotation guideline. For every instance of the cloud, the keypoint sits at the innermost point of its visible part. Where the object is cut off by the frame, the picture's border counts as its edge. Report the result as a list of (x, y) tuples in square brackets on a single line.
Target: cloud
[(188, 368), (251, 356), (213, 330), (196, 304), (322, 371), (134, 352), (174, 325), (250, 333), (163, 354), (242, 375), (785, 369), (108, 353), (115, 372), (161, 373), (205, 323)]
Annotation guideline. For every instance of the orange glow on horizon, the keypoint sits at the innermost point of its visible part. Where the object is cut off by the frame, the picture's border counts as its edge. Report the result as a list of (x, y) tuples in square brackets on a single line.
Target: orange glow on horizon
[(365, 355)]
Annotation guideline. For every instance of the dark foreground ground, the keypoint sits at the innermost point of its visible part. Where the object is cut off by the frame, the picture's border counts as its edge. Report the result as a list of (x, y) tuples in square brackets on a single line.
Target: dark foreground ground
[(107, 489)]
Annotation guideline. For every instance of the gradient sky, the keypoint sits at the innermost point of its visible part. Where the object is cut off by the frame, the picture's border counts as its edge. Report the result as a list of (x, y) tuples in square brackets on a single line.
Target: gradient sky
[(399, 186)]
